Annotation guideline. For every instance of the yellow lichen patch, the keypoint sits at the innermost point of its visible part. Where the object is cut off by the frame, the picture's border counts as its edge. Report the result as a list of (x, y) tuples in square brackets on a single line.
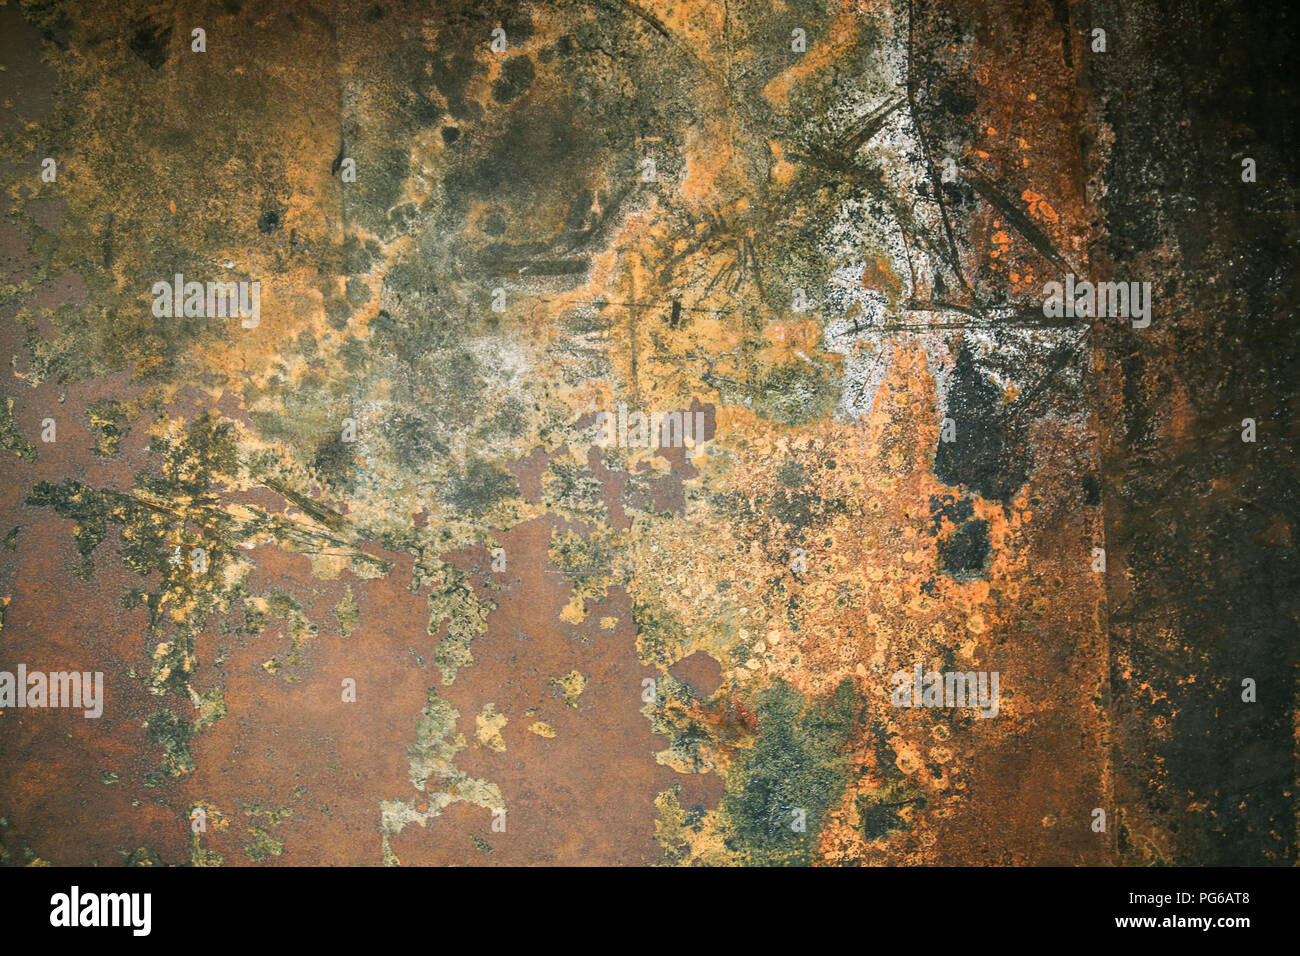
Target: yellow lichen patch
[(542, 729), (487, 728), (572, 684), (575, 611)]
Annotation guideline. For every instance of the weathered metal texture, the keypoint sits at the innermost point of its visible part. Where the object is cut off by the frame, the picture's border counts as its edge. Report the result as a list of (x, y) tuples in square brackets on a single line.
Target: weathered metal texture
[(833, 258)]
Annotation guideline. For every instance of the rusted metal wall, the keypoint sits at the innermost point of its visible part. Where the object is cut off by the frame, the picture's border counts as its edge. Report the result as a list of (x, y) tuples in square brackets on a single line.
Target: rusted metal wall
[(639, 396)]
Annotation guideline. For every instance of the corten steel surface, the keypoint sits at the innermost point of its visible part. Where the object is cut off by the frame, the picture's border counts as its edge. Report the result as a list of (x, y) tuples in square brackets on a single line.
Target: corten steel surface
[(393, 571)]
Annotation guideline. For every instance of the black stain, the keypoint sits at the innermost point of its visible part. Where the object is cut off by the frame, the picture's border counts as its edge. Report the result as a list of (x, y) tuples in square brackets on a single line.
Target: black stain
[(989, 455), (516, 77), (965, 552), (149, 43)]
